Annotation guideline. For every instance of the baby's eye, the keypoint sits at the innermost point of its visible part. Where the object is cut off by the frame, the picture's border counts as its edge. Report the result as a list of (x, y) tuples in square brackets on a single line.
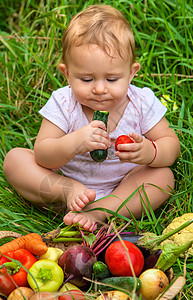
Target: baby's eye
[(86, 79), (112, 79)]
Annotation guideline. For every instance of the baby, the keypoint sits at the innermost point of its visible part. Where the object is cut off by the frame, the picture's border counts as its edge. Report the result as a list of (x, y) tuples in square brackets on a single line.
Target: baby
[(99, 63)]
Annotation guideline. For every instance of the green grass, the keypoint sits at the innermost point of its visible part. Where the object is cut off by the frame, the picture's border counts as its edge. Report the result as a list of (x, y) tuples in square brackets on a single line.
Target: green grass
[(30, 49)]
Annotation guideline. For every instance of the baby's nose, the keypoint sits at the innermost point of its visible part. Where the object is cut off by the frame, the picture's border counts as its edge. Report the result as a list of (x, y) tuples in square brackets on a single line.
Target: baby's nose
[(99, 87)]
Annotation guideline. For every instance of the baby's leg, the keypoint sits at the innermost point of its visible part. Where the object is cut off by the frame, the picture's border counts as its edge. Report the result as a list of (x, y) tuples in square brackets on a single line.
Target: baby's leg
[(42, 186), (151, 177)]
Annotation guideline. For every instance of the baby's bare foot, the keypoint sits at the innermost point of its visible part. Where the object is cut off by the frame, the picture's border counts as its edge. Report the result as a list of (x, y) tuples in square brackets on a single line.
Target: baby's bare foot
[(82, 199), (86, 220)]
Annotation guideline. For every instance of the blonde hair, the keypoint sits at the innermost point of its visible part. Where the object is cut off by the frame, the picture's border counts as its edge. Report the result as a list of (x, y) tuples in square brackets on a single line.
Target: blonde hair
[(103, 26)]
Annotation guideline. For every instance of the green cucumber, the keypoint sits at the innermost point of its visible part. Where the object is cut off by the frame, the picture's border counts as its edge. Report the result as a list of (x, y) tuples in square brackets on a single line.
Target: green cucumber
[(100, 155), (128, 283), (101, 270)]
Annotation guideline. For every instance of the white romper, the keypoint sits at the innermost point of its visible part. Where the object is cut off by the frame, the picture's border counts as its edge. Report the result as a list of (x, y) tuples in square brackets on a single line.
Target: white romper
[(143, 112)]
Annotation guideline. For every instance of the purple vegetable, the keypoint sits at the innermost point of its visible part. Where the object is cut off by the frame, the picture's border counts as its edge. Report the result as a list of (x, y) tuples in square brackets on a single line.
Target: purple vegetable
[(151, 260), (129, 236), (77, 262)]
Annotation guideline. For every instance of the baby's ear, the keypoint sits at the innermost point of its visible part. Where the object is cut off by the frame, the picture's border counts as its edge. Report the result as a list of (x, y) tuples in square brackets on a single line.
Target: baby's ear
[(63, 69), (134, 69)]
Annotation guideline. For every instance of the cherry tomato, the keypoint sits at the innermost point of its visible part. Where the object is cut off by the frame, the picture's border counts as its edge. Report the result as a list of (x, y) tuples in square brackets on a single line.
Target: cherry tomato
[(116, 258), (122, 139), (72, 295), (6, 284)]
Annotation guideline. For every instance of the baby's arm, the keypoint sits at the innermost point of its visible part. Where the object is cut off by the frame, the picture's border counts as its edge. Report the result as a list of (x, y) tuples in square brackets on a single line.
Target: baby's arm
[(54, 148), (142, 151)]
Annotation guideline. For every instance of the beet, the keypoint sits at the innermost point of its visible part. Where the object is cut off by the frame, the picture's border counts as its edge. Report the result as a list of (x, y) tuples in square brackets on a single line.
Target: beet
[(77, 262)]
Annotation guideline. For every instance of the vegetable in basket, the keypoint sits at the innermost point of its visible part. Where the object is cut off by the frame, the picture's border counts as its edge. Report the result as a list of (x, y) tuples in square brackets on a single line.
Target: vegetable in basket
[(113, 295), (21, 294), (124, 259), (153, 283), (151, 241), (183, 236), (101, 270), (170, 253), (48, 276), (72, 295), (52, 254), (6, 284), (44, 295), (127, 283), (31, 242), (20, 258), (77, 263)]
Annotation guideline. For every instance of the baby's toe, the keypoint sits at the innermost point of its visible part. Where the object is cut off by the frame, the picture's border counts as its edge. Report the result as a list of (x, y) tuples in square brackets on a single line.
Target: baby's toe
[(90, 194), (79, 203), (90, 225), (68, 218), (86, 222)]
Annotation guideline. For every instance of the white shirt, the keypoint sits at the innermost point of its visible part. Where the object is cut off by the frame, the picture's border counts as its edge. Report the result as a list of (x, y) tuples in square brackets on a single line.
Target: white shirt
[(142, 113)]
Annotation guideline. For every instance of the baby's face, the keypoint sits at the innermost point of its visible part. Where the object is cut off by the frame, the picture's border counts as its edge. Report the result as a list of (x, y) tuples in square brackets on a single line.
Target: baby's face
[(97, 80)]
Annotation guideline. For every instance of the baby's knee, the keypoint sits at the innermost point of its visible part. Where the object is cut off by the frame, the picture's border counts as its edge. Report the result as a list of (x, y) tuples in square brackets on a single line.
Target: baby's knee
[(12, 159), (167, 178), (9, 160)]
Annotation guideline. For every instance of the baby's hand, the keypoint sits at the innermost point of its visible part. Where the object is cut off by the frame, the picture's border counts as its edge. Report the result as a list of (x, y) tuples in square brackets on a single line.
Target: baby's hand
[(139, 152), (93, 136)]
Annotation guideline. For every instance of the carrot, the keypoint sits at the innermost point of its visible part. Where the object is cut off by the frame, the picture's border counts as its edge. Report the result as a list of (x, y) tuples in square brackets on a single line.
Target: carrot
[(36, 247), (31, 242)]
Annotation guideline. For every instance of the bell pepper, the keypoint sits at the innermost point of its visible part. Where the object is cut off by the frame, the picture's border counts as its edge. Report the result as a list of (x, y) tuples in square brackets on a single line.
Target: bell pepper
[(20, 257), (52, 254), (3, 259), (45, 276)]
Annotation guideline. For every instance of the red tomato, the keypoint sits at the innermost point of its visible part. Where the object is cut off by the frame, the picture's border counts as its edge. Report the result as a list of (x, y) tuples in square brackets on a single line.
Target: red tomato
[(116, 258), (6, 284), (72, 295), (122, 139)]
